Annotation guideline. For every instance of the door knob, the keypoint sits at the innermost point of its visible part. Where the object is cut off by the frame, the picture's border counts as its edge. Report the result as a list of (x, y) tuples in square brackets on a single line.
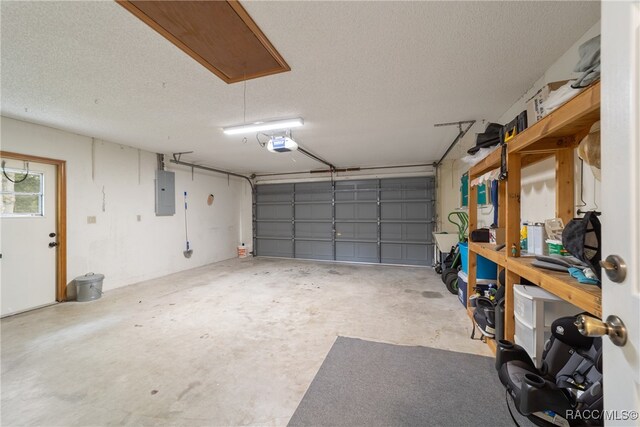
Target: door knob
[(614, 328), (53, 244), (615, 267), (52, 235)]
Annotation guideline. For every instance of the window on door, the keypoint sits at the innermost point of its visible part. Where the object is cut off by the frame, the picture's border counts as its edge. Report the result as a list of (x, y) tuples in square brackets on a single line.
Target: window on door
[(22, 193)]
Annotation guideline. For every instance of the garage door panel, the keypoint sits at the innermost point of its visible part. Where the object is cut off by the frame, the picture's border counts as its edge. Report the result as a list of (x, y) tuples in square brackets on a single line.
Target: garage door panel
[(408, 254), (314, 212), (406, 232), (391, 211), (403, 221), (356, 252), (407, 211), (277, 212), (314, 250), (356, 231), (356, 211), (421, 232), (275, 248), (313, 192), (275, 193), (357, 190), (347, 196), (274, 229), (407, 188), (416, 211), (313, 230)]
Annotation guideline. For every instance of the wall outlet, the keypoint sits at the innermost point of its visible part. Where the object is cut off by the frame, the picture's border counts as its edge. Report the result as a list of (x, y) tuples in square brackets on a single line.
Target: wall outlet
[(91, 220), (139, 218)]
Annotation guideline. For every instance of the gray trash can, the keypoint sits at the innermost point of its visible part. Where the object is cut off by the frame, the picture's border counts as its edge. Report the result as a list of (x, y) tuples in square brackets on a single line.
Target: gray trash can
[(89, 287)]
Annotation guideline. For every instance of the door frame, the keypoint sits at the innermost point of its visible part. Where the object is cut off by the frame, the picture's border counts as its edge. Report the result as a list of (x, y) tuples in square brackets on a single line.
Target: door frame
[(61, 215)]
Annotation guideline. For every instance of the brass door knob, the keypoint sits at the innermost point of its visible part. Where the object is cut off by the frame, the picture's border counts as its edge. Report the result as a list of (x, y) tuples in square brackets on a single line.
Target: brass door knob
[(613, 327)]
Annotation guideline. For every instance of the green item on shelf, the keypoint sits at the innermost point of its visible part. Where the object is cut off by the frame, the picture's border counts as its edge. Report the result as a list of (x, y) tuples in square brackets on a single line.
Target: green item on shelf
[(556, 248), (464, 191)]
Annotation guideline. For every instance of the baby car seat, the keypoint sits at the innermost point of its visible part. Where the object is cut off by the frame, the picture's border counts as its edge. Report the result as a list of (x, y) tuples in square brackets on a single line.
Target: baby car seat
[(568, 384)]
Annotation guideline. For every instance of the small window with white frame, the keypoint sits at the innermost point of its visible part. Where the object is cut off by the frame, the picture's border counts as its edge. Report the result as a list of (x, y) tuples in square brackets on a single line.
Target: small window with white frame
[(22, 193)]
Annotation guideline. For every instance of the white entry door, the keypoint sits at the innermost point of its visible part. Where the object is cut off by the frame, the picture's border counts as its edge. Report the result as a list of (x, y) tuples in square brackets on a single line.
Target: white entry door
[(28, 215), (621, 204)]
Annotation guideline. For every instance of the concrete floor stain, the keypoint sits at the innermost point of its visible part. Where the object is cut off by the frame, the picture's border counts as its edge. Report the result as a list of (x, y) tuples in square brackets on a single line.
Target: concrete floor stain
[(431, 294)]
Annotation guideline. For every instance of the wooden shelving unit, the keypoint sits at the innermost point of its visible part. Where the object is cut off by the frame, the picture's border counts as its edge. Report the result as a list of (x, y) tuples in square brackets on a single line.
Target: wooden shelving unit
[(587, 297), (556, 135), (486, 250)]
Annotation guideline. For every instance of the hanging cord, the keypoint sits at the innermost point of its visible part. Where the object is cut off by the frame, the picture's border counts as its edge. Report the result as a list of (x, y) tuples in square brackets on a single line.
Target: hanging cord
[(595, 187), (582, 185), (244, 103), (581, 211), (25, 165), (186, 228), (506, 399)]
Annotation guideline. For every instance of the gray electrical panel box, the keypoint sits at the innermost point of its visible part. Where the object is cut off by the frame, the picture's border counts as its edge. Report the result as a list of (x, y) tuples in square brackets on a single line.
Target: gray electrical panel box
[(165, 193)]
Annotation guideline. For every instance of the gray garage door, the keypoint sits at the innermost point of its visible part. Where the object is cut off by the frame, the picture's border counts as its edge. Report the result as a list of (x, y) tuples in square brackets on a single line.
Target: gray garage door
[(386, 221)]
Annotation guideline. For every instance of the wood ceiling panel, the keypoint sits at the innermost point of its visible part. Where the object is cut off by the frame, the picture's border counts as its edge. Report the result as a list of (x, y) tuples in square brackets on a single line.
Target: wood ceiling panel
[(220, 35)]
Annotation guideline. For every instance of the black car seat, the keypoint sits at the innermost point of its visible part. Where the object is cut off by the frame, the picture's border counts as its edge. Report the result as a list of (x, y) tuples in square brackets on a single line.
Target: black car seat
[(568, 382)]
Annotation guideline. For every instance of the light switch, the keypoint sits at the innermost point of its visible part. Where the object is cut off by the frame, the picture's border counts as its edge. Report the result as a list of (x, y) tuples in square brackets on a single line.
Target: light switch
[(91, 220)]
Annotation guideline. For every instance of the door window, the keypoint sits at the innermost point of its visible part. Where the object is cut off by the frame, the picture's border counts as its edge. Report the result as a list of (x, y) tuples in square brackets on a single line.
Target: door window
[(22, 193)]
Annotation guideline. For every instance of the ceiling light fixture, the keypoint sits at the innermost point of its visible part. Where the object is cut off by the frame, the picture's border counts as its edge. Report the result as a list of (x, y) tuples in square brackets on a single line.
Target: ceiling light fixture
[(264, 126)]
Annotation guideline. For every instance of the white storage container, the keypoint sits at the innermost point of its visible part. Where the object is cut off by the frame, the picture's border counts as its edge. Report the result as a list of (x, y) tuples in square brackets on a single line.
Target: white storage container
[(535, 310), (531, 339), (537, 307)]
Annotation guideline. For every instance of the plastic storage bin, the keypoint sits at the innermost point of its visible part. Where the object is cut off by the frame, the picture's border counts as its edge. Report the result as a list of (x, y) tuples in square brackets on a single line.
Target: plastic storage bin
[(535, 310), (529, 338), (485, 269)]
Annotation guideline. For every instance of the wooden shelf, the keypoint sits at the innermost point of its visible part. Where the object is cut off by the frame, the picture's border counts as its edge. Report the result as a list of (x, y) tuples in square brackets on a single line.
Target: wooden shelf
[(587, 297), (563, 128), (492, 161), (486, 250), (555, 136)]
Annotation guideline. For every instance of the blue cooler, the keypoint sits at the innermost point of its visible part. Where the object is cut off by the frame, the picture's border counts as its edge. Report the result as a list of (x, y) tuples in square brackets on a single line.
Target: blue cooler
[(485, 268)]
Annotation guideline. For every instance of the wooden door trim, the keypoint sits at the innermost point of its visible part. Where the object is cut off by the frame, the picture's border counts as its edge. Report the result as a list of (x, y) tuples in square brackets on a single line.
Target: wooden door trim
[(61, 215)]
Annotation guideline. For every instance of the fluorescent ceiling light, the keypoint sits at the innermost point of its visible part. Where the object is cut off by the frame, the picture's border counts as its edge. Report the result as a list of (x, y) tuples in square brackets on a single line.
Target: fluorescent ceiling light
[(261, 126)]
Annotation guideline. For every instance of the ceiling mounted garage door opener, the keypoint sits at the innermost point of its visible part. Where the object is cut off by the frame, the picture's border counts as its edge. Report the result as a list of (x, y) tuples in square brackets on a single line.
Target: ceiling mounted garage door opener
[(187, 253)]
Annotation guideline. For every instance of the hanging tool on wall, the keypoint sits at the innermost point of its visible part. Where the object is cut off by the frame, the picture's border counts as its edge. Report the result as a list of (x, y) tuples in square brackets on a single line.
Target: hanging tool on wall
[(187, 253)]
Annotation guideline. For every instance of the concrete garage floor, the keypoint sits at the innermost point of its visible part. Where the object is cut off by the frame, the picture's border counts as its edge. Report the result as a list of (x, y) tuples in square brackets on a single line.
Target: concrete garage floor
[(232, 343)]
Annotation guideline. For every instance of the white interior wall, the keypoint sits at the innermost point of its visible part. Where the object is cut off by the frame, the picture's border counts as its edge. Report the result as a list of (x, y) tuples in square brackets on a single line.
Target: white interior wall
[(538, 181), (118, 245)]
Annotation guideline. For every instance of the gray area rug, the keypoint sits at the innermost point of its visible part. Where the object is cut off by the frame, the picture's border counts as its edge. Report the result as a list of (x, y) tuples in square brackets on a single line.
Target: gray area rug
[(364, 383)]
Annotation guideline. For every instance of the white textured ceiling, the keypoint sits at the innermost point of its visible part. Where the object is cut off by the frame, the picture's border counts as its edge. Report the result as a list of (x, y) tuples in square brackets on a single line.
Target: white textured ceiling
[(369, 78)]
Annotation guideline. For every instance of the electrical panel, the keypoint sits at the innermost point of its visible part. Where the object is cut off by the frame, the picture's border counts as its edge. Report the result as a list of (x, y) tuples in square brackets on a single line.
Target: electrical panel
[(165, 193)]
